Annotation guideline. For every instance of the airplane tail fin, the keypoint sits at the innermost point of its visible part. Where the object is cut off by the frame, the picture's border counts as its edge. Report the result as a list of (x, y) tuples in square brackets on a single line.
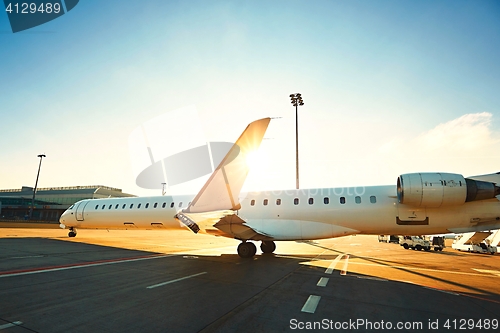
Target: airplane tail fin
[(222, 189)]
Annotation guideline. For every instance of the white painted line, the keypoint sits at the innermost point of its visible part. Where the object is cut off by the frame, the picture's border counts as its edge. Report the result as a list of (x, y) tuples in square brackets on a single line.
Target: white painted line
[(344, 269), (323, 282), (63, 268), (176, 280), (413, 268), (443, 291), (372, 278), (24, 257), (14, 324), (311, 304), (334, 263), (488, 271)]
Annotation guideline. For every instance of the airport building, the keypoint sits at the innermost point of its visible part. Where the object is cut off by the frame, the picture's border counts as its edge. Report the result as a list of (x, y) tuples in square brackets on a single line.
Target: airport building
[(50, 202)]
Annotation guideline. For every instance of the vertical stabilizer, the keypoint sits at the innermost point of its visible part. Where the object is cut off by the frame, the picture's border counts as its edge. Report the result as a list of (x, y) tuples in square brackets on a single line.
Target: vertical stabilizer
[(224, 185)]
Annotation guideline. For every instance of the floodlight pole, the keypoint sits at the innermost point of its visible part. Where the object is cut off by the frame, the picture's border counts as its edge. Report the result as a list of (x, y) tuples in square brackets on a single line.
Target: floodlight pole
[(296, 101), (36, 184)]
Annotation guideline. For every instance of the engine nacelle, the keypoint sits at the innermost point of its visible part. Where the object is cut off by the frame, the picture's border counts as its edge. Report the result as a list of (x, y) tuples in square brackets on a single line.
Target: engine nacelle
[(442, 189)]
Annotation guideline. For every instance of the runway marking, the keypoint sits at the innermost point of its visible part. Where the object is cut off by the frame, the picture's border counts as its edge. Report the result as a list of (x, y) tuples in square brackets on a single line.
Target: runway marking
[(416, 268), (334, 263), (311, 304), (489, 271), (441, 290), (176, 280), (82, 265), (371, 278), (344, 269), (323, 282), (24, 257), (14, 324)]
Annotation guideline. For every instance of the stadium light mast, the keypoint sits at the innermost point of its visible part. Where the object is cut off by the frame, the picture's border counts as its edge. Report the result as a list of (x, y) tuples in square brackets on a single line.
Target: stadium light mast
[(36, 184), (296, 101)]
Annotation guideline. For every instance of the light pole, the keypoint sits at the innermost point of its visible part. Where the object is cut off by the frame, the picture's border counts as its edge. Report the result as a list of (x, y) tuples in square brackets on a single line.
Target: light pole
[(296, 101), (36, 184)]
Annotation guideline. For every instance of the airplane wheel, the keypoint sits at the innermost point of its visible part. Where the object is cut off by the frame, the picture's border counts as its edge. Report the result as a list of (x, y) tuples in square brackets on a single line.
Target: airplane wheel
[(268, 246), (71, 234), (247, 250)]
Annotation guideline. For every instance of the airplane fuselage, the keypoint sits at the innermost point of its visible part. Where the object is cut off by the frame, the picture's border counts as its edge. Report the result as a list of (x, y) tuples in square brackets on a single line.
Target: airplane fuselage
[(292, 214)]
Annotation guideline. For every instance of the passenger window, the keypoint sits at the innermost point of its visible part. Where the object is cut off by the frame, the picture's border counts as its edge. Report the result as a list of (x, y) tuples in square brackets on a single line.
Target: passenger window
[(265, 202), (172, 205), (252, 203), (96, 206), (123, 207), (138, 206), (180, 204), (110, 206), (156, 205), (342, 200), (278, 202), (103, 206), (296, 201), (326, 200), (147, 205), (131, 206), (373, 199), (311, 201), (116, 207), (357, 199), (164, 204)]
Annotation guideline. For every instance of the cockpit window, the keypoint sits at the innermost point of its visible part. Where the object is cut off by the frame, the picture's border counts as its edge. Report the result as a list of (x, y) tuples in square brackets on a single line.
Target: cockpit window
[(71, 207)]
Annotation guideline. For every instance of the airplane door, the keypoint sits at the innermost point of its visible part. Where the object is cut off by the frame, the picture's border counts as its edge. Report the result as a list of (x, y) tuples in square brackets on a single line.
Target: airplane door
[(79, 210), (411, 215)]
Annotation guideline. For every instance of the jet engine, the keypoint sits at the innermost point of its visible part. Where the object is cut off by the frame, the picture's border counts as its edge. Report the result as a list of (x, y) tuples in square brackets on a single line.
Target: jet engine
[(442, 189)]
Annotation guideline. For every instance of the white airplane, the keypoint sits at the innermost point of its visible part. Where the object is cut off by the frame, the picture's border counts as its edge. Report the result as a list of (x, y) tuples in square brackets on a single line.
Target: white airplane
[(420, 203)]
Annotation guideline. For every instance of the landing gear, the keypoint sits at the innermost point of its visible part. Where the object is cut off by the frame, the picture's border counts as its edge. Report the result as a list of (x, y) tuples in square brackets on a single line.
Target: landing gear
[(247, 250), (268, 246), (72, 232)]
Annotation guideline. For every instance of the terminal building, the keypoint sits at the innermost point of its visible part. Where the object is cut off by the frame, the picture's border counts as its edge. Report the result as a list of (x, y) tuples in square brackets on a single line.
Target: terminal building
[(50, 202)]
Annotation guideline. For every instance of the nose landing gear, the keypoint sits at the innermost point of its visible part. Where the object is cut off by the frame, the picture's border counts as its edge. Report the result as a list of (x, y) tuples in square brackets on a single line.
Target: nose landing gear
[(72, 232)]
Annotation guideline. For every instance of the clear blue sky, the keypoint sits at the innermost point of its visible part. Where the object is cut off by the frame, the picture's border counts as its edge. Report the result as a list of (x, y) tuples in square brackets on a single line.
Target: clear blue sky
[(389, 87)]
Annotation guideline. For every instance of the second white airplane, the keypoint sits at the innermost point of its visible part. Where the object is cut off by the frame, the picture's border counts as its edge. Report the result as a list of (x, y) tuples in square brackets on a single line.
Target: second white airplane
[(420, 203)]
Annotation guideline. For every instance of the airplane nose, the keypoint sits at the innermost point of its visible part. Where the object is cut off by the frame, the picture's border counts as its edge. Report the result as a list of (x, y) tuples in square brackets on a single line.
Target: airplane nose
[(63, 219)]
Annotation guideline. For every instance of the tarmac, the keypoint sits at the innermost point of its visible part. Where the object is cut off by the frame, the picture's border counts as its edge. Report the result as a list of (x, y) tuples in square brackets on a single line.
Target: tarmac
[(165, 281)]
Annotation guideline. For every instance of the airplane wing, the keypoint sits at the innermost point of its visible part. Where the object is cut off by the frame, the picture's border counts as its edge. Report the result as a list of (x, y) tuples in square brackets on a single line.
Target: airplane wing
[(218, 198)]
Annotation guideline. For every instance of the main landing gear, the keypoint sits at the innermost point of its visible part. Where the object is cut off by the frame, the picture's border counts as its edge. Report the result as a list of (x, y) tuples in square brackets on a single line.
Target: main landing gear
[(248, 249), (72, 232)]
